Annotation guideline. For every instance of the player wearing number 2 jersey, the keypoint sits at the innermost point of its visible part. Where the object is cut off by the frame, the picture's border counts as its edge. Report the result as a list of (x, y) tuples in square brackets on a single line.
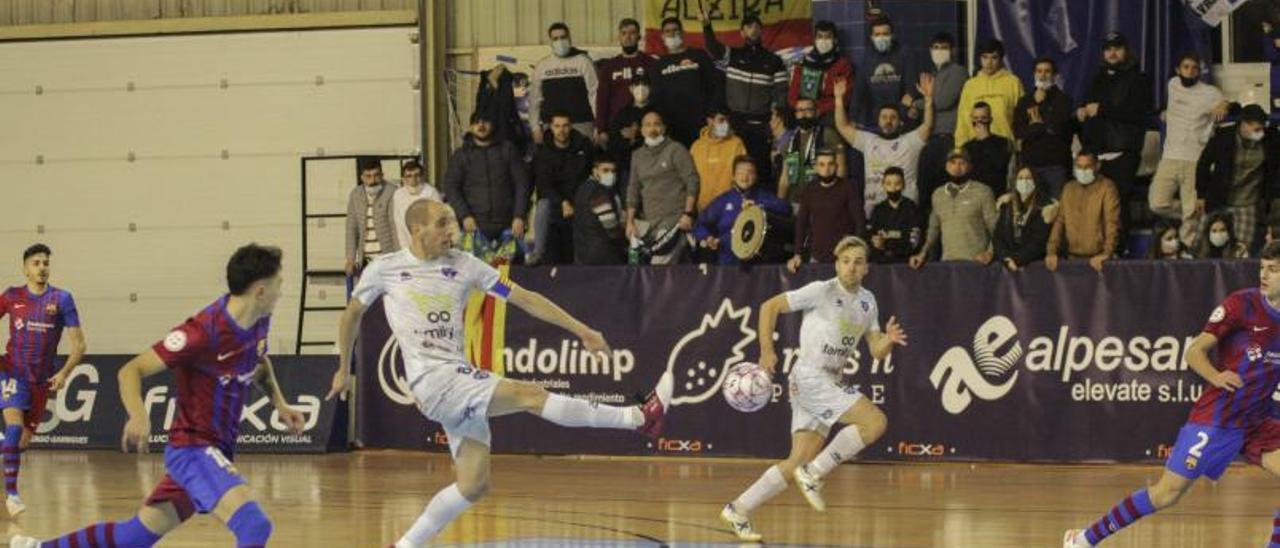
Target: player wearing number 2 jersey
[(424, 289), (215, 356), (838, 313), (1233, 415)]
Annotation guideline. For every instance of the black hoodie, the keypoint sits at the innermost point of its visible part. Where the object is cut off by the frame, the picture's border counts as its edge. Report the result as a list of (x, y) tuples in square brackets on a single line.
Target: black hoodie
[(557, 172), (487, 182), (1123, 94)]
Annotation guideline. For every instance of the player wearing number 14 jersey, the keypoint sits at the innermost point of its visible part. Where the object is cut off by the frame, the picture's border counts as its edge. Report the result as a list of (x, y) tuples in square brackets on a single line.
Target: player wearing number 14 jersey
[(215, 356), (1233, 415)]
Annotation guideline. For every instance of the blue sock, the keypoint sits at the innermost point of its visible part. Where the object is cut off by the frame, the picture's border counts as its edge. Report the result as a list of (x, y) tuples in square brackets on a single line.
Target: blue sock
[(1275, 531), (1131, 509), (120, 534), (251, 526), (12, 450)]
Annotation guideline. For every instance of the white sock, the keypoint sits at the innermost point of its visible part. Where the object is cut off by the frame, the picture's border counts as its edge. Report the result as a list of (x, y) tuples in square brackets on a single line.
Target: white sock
[(442, 509), (768, 486), (574, 412), (843, 447)]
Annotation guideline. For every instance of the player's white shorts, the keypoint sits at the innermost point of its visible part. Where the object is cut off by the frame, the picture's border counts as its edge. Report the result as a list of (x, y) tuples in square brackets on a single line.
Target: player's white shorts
[(456, 396), (818, 400)]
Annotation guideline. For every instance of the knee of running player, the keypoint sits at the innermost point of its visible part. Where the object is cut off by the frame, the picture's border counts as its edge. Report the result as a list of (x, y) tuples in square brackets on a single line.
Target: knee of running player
[(530, 397), (1168, 491), (871, 424), (475, 485)]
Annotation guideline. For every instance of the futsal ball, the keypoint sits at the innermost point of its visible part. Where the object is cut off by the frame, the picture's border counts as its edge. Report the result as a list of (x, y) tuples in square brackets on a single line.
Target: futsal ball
[(747, 387)]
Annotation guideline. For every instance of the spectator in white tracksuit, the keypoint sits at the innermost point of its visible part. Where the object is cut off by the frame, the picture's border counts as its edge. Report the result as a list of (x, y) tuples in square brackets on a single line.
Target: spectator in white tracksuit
[(565, 81)]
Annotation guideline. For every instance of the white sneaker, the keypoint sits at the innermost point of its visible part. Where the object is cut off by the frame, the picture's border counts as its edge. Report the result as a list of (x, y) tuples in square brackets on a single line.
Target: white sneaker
[(23, 541), (1074, 538), (810, 487), (14, 505), (739, 524)]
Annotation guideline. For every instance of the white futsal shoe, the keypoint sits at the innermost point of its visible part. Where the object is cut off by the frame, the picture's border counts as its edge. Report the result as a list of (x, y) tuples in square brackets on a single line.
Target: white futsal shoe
[(1074, 538), (739, 524), (14, 505), (810, 487), (23, 541)]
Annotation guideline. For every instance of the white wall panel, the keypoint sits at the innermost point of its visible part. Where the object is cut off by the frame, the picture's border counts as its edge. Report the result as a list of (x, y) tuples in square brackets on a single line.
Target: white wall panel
[(179, 191)]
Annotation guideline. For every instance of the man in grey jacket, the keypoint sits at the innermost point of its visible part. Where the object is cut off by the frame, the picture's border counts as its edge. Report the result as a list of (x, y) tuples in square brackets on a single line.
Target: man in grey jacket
[(963, 217), (664, 186), (369, 232), (948, 80), (487, 182)]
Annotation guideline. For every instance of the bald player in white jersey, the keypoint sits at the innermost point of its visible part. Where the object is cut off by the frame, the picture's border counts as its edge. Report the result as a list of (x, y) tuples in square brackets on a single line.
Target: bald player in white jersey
[(838, 313), (425, 288)]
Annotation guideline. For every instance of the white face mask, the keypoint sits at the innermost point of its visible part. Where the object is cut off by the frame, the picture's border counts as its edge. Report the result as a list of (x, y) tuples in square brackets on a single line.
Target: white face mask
[(882, 43), (654, 141), (1084, 176), (1169, 246), (561, 47), (1025, 187), (640, 94), (673, 42), (824, 45), (608, 179), (1255, 136), (720, 130), (940, 56), (1218, 238), (1044, 83)]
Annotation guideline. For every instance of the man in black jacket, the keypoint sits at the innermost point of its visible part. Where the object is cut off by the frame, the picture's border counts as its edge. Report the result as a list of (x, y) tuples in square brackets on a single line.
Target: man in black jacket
[(685, 84), (560, 164), (487, 183), (1237, 172), (755, 80), (895, 223), (990, 152), (599, 231), (1042, 121), (1115, 116)]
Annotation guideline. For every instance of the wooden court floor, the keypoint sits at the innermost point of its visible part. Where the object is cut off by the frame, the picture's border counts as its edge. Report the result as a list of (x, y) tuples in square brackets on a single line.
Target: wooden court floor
[(368, 498)]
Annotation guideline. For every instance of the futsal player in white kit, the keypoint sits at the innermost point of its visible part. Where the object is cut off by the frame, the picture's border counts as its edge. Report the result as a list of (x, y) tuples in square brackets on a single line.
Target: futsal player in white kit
[(425, 288), (838, 313)]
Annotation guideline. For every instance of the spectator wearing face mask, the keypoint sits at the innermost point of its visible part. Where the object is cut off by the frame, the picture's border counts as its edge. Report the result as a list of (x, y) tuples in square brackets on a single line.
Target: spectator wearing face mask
[(1088, 222), (948, 81), (599, 231), (814, 78), (1194, 108), (624, 129), (714, 230), (663, 189), (990, 152), (1237, 172), (895, 226), (890, 147), (755, 80), (1042, 124), (564, 81), (887, 77), (686, 84), (1218, 239), (713, 155), (1167, 244), (1022, 225), (993, 85), (799, 158), (963, 217), (617, 76), (830, 208)]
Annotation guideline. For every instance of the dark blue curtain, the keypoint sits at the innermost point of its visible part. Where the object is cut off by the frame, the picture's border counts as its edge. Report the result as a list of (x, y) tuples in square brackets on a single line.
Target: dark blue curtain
[(1071, 32)]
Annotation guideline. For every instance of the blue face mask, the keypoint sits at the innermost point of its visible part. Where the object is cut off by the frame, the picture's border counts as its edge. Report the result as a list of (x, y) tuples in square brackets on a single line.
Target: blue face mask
[(882, 43)]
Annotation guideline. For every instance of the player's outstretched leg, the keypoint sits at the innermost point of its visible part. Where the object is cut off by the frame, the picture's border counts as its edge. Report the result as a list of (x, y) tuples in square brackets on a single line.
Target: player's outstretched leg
[(1141, 503), (472, 466), (865, 423), (142, 531), (804, 445), (514, 397), (12, 450)]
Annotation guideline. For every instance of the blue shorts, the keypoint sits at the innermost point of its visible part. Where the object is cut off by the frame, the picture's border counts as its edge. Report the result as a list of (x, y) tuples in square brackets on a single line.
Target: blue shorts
[(203, 472), (15, 391), (1203, 450)]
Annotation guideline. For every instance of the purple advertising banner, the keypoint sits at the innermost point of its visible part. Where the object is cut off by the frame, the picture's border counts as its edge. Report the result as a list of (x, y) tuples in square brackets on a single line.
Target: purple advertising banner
[(1029, 366)]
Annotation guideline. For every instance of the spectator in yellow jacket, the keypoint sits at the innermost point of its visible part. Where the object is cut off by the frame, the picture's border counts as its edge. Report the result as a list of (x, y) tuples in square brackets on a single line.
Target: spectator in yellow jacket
[(993, 85), (713, 155)]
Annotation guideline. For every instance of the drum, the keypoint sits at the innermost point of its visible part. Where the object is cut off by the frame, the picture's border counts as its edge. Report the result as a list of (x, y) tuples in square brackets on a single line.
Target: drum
[(761, 236)]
